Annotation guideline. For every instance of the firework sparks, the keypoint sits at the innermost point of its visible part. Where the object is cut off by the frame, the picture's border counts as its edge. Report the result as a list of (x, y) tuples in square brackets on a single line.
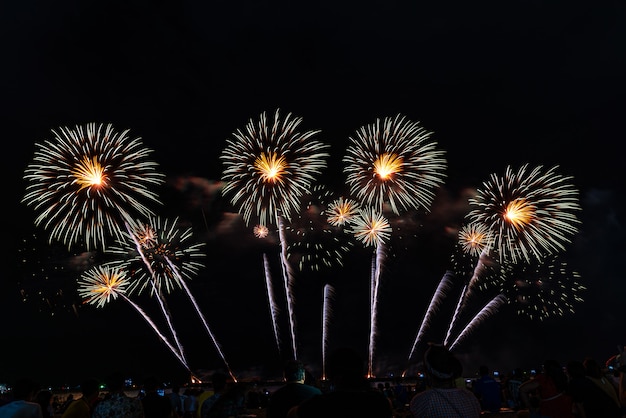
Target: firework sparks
[(370, 227), (103, 284), (48, 276), (530, 213), (84, 183), (542, 290), (269, 167), (394, 162), (316, 244)]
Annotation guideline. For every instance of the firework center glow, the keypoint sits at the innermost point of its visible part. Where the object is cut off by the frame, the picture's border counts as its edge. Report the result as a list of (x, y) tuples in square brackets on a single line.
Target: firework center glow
[(89, 173), (387, 164), (271, 166), (519, 213)]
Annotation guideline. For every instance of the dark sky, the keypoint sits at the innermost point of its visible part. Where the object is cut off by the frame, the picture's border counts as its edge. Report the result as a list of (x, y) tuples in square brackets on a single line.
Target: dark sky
[(498, 83)]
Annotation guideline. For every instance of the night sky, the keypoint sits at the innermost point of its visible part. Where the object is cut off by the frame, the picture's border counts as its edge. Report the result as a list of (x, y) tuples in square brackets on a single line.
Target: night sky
[(497, 83)]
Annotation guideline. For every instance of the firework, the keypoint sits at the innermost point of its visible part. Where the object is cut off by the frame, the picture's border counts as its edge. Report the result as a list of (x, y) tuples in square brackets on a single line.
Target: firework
[(314, 243), (88, 181), (261, 231), (542, 290), (160, 254), (103, 284), (341, 211), (394, 162), (529, 213), (473, 238), (370, 227), (270, 165)]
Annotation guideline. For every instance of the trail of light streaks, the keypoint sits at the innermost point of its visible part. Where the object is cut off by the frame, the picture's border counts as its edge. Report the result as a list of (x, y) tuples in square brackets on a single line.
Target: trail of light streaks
[(329, 295), (379, 256), (440, 293), (271, 301), (217, 346), (488, 310), (288, 283)]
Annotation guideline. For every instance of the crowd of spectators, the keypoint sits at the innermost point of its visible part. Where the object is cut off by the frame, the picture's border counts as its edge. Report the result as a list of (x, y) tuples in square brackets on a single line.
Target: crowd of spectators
[(578, 389)]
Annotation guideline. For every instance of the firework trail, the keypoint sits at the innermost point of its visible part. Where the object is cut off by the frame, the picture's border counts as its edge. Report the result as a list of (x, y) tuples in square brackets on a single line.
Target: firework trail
[(455, 316), (261, 231), (83, 182), (484, 264), (393, 162), (442, 289), (147, 238), (375, 285), (288, 283), (329, 295), (270, 297), (203, 319), (488, 310), (372, 228), (268, 168), (102, 284)]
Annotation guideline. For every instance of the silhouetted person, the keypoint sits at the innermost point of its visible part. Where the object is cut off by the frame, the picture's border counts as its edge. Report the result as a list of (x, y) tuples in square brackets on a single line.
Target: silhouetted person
[(292, 393), (594, 373), (232, 403), (350, 394), (23, 403), (218, 380), (487, 390), (83, 406), (511, 388), (118, 404), (176, 400), (44, 399), (549, 389), (442, 398), (589, 400), (154, 404)]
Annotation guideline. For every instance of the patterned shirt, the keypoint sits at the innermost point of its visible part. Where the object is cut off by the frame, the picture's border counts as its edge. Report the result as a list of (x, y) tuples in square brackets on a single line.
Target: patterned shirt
[(445, 403), (119, 406)]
